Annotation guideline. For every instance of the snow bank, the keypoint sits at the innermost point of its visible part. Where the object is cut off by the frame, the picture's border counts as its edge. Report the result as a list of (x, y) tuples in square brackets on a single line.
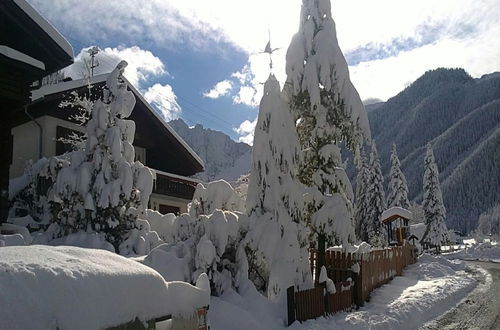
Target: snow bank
[(486, 251), (75, 288), (427, 289)]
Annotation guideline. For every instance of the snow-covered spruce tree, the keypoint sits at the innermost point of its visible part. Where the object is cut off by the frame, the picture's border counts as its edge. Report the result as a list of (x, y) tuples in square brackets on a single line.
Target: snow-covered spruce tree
[(373, 230), (398, 190), (277, 242), (361, 197), (329, 112), (436, 232), (101, 188)]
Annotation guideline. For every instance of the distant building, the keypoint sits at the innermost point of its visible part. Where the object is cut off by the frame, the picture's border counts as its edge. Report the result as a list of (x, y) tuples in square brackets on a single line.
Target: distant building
[(30, 48), (156, 144)]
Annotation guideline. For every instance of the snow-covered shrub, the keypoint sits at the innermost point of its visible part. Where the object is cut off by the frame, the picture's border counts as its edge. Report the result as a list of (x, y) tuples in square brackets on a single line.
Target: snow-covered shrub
[(208, 244), (212, 196)]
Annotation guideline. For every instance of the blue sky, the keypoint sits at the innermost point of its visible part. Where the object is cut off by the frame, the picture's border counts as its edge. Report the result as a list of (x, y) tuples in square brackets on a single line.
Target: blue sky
[(200, 61)]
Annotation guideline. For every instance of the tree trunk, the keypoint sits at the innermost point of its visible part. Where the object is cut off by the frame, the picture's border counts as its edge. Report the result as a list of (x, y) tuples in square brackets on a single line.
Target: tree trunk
[(320, 262)]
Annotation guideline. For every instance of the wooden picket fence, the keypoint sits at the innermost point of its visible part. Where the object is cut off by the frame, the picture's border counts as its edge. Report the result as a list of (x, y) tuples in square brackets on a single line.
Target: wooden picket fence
[(375, 268), (309, 304), (379, 267)]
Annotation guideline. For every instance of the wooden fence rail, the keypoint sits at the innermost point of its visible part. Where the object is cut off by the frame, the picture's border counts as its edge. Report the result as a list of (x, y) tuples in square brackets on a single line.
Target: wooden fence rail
[(367, 271)]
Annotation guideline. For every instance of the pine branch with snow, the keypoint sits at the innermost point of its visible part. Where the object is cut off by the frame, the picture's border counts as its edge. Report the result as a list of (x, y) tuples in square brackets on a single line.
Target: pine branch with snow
[(436, 232)]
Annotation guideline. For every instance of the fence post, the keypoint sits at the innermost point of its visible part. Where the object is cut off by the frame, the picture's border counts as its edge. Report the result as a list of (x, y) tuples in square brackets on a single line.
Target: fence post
[(290, 298), (358, 283), (325, 297)]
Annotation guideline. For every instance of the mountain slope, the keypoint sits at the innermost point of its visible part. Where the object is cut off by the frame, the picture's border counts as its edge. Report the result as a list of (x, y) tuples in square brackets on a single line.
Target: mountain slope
[(224, 158), (460, 116)]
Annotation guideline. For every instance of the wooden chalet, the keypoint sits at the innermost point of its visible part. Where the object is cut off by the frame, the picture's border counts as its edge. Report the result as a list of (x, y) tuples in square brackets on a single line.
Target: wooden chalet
[(396, 219), (30, 48), (156, 144)]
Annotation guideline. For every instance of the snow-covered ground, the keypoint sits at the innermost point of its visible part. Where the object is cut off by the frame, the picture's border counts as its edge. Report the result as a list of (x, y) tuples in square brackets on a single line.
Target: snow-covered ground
[(486, 251), (45, 287), (426, 290)]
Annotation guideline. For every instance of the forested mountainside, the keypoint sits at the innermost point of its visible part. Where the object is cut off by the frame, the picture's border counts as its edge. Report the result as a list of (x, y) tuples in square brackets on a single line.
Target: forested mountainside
[(223, 157), (460, 117)]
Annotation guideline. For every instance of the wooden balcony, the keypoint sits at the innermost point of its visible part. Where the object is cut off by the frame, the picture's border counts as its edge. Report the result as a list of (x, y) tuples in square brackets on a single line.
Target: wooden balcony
[(175, 186)]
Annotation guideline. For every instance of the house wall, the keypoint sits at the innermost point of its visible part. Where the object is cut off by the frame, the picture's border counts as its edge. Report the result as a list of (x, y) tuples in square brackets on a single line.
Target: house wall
[(25, 143), (155, 200)]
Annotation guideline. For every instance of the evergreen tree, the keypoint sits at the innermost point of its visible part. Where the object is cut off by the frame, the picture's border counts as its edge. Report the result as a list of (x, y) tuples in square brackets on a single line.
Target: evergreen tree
[(277, 240), (373, 230), (436, 232), (100, 187), (361, 196), (398, 190), (328, 112)]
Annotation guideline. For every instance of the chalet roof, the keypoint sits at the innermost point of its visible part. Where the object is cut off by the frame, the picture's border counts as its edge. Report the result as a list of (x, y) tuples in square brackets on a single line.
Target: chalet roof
[(56, 90), (20, 23), (394, 213)]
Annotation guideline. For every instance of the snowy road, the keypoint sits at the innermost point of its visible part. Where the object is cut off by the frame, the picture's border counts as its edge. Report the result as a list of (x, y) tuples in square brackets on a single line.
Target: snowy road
[(481, 309)]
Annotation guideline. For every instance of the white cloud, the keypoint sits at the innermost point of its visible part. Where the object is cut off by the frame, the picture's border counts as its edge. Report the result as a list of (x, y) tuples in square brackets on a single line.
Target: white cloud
[(245, 24), (164, 99), (386, 77), (247, 96), (142, 64), (246, 130), (220, 89)]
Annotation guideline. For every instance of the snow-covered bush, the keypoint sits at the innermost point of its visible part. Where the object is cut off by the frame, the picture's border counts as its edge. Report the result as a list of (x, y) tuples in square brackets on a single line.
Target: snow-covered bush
[(215, 195), (489, 223), (207, 244)]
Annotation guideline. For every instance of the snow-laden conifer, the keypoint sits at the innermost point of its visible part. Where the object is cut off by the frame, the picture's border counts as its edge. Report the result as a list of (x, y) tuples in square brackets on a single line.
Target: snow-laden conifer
[(361, 196), (100, 187), (328, 112), (373, 230), (436, 232), (398, 189), (277, 240)]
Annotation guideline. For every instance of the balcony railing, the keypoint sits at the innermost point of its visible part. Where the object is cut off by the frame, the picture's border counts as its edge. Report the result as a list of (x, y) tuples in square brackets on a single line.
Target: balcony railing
[(172, 186)]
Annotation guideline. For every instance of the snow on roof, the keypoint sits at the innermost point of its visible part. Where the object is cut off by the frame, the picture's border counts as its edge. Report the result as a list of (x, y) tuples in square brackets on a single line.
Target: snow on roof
[(167, 126), (45, 287), (21, 57), (64, 86), (395, 211), (177, 176), (45, 26)]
